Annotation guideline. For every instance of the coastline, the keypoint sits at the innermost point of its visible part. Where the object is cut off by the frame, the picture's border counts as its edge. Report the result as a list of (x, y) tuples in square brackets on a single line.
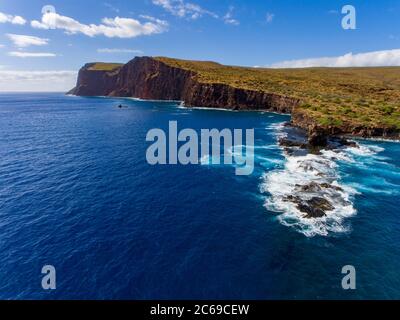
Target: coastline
[(313, 199), (184, 107), (186, 82)]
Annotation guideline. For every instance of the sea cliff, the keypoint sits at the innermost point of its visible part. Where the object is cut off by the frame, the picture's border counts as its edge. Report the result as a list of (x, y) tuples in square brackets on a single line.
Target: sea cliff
[(211, 85)]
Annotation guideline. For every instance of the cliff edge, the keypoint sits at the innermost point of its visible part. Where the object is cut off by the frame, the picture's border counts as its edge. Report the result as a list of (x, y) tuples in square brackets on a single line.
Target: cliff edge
[(324, 101)]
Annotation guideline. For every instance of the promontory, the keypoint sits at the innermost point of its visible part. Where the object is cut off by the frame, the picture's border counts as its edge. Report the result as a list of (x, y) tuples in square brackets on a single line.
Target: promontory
[(362, 102)]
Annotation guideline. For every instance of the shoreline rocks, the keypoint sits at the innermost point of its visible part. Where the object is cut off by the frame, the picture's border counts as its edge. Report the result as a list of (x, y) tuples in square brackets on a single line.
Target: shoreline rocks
[(315, 207), (311, 197)]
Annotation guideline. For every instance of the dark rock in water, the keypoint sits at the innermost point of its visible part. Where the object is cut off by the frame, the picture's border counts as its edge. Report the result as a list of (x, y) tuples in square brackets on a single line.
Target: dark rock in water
[(292, 198), (321, 203), (292, 143), (310, 211), (317, 138), (316, 187), (311, 187), (347, 143), (330, 186), (314, 141), (289, 151), (335, 143), (315, 207), (352, 144)]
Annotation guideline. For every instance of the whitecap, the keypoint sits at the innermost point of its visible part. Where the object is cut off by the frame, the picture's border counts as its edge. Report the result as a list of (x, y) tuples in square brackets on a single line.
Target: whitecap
[(301, 171), (364, 151), (290, 184)]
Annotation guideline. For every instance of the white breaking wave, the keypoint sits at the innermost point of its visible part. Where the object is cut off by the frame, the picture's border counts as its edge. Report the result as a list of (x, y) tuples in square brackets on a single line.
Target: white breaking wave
[(365, 150), (299, 172), (308, 176), (277, 129)]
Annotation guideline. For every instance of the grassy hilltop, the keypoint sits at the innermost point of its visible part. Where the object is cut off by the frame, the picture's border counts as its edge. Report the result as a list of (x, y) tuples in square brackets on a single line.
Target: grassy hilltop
[(104, 66), (367, 97)]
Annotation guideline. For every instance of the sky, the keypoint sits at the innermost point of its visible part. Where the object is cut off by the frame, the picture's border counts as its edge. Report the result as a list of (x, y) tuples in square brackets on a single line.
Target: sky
[(44, 43)]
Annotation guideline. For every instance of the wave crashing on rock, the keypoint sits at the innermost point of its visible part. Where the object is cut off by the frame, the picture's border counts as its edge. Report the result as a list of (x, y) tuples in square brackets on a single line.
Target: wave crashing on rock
[(307, 193)]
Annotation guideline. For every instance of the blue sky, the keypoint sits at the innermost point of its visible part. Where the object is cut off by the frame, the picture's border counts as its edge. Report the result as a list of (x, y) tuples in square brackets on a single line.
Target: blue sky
[(45, 50)]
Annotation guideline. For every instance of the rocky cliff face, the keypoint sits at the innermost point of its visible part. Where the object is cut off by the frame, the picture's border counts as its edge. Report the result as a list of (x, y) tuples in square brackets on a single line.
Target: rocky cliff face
[(94, 82), (318, 133), (148, 78)]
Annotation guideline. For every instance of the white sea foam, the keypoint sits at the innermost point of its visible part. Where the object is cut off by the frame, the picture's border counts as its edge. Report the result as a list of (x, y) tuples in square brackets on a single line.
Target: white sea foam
[(377, 139), (286, 186), (211, 108), (301, 171), (146, 100), (278, 130), (363, 150)]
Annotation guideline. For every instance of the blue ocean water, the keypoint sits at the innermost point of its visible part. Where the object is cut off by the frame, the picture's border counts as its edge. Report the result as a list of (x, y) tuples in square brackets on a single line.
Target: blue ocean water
[(76, 192)]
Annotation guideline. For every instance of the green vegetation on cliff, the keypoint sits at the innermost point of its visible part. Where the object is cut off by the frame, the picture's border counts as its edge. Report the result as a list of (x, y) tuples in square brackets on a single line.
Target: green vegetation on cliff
[(333, 97), (102, 66)]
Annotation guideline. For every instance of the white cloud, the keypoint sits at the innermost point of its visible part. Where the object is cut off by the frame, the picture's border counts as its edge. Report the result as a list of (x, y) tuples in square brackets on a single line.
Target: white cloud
[(269, 17), (228, 18), (23, 41), (8, 18), (111, 27), (21, 54), (183, 9), (61, 81), (118, 50), (18, 20), (368, 59)]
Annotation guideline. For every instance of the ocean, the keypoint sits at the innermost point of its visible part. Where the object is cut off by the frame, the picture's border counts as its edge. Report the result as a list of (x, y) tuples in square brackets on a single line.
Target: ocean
[(77, 193)]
